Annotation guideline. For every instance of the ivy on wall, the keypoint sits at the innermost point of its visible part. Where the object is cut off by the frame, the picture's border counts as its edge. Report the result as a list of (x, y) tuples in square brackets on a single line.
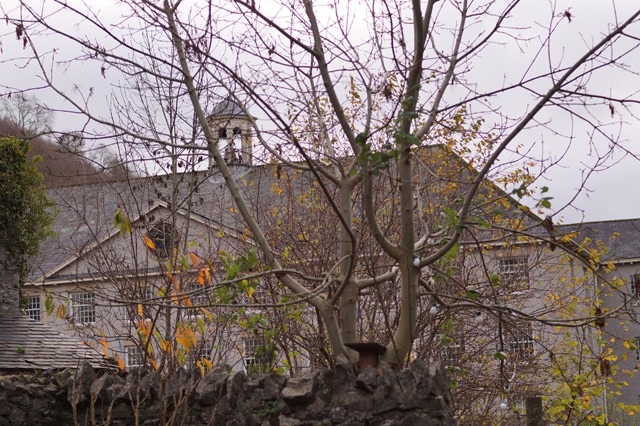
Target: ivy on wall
[(25, 212)]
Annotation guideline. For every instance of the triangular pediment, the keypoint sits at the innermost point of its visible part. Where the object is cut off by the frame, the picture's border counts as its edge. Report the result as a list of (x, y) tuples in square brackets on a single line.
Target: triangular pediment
[(124, 246)]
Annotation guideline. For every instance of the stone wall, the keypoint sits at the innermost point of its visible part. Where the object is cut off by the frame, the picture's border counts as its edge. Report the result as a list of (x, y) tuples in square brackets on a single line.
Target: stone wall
[(418, 395)]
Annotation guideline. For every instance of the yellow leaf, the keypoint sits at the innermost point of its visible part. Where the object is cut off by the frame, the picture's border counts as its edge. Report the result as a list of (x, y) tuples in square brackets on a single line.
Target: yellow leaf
[(61, 312), (195, 260), (147, 327), (185, 338), (208, 363), (165, 346), (105, 347), (140, 311), (149, 242), (174, 298), (206, 313), (120, 363), (154, 364), (250, 291)]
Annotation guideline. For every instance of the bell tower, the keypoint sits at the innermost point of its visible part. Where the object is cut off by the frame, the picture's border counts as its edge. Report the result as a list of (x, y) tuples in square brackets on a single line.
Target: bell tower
[(233, 127)]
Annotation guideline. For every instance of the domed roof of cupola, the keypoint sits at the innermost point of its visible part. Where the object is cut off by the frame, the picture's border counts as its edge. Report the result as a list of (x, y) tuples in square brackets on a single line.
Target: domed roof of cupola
[(228, 107)]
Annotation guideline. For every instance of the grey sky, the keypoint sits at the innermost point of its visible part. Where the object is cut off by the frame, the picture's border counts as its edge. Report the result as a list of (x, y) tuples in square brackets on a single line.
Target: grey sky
[(610, 193)]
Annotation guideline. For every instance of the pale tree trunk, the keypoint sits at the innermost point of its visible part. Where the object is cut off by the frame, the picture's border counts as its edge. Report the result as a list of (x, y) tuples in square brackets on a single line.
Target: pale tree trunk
[(349, 298), (327, 311), (400, 346)]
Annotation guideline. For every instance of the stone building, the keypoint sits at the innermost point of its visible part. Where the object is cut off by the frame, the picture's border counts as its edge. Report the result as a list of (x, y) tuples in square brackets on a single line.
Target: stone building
[(141, 265)]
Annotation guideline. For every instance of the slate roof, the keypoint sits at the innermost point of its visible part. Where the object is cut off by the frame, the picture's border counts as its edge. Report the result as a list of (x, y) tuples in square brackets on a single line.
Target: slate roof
[(228, 107), (28, 344), (86, 212), (621, 237)]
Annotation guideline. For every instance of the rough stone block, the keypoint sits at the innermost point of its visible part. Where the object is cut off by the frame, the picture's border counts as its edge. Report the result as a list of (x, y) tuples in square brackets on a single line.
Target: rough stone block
[(369, 380), (300, 390), (235, 384), (212, 387), (80, 384)]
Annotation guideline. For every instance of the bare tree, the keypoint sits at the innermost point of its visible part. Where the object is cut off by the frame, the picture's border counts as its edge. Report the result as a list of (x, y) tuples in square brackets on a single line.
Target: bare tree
[(365, 119), (25, 113)]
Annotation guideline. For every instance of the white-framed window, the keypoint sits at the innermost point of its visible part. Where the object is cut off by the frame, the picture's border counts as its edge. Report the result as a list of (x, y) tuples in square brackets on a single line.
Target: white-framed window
[(250, 356), (519, 341), (207, 350), (634, 280), (451, 347), (83, 307), (133, 357), (149, 293), (514, 270), (519, 404), (32, 308)]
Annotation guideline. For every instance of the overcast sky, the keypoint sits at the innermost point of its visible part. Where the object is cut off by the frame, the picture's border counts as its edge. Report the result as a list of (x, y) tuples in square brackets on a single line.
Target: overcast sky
[(610, 194)]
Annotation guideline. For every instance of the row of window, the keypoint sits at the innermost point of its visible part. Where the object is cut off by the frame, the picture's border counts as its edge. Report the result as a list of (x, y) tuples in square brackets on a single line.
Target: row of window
[(83, 309), (519, 342), (133, 356), (83, 303)]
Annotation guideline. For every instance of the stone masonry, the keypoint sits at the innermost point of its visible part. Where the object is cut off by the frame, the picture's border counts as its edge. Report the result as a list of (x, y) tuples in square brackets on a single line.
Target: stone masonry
[(418, 395)]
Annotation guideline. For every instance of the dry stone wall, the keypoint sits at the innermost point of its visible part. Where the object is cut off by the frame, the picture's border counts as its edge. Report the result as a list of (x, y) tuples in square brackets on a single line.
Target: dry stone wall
[(418, 395)]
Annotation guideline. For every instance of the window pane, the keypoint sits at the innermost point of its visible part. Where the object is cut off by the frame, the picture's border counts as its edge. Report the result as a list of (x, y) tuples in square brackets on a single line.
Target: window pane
[(519, 341), (83, 308), (514, 270), (32, 308), (251, 347), (133, 357)]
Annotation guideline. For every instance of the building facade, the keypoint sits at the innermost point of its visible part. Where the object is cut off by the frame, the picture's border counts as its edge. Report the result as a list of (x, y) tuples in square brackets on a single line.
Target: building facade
[(161, 272)]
